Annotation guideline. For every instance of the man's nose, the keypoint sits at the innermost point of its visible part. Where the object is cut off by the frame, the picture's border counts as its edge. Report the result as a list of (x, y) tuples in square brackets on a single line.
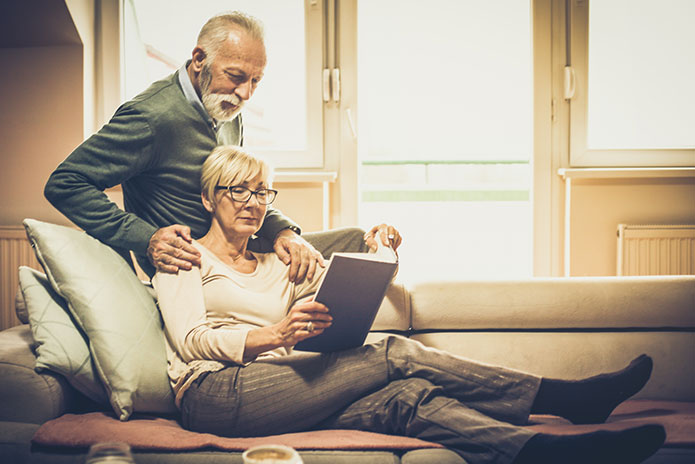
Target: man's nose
[(245, 90)]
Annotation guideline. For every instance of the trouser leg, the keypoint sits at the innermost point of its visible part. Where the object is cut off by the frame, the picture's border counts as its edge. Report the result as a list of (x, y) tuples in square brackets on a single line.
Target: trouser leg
[(347, 239), (415, 407), (298, 392), (500, 393)]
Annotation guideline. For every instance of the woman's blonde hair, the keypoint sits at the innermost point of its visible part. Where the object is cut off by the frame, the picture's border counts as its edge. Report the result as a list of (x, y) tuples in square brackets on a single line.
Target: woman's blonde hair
[(230, 165)]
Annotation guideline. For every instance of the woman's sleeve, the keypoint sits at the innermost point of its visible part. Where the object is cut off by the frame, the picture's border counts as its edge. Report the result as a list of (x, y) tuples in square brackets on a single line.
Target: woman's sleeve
[(190, 333)]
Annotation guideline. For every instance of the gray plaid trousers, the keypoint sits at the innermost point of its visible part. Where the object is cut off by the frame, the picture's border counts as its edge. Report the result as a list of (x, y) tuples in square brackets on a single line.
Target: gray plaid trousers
[(396, 386)]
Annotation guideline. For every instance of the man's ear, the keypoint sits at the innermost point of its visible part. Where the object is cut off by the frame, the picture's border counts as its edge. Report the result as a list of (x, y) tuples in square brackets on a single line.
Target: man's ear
[(198, 57), (207, 204)]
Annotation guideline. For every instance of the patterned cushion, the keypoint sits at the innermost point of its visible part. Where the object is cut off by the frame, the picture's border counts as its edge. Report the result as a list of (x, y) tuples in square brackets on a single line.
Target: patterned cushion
[(114, 310), (61, 347)]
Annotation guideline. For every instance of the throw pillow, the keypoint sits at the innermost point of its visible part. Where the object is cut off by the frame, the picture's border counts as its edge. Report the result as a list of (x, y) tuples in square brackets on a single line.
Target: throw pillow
[(60, 346), (20, 307), (115, 311)]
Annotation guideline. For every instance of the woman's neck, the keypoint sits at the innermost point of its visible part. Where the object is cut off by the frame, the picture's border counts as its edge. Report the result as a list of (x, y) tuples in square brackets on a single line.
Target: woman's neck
[(230, 249)]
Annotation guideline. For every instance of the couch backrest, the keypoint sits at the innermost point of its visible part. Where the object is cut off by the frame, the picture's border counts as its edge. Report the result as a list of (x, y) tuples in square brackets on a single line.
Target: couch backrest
[(558, 327)]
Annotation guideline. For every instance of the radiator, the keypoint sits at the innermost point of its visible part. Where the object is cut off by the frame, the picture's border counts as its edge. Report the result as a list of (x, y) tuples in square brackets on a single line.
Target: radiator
[(15, 251), (656, 249)]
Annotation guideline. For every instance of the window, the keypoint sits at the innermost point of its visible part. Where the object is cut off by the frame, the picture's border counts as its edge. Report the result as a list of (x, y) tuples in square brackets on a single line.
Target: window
[(634, 64), (283, 119), (445, 146)]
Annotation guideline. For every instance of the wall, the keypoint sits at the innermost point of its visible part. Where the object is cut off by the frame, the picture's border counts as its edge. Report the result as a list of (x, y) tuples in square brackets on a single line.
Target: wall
[(41, 122), (304, 202), (599, 205), (82, 15)]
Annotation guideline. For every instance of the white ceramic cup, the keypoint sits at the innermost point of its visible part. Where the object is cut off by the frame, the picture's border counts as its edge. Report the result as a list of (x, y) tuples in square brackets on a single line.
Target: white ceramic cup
[(271, 454), (111, 453)]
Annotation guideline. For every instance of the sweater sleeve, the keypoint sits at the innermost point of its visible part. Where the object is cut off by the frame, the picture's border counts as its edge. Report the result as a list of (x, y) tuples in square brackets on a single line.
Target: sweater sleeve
[(274, 222), (120, 150), (189, 331)]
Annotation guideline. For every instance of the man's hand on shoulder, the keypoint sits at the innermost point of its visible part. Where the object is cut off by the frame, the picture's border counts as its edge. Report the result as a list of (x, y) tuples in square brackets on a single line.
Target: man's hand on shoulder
[(170, 249), (302, 258)]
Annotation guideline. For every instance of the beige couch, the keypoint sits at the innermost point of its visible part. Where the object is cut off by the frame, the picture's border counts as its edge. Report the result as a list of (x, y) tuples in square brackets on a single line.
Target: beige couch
[(559, 327)]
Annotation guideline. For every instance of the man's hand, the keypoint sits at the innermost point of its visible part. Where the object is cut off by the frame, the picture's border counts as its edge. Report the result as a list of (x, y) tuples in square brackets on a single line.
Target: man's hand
[(389, 236), (296, 252), (170, 249)]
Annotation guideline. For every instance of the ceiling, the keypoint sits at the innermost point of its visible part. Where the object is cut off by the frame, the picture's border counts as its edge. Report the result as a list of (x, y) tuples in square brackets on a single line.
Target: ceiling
[(36, 23)]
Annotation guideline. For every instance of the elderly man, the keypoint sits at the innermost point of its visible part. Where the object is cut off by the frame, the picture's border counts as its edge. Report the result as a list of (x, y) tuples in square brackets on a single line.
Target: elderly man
[(155, 146)]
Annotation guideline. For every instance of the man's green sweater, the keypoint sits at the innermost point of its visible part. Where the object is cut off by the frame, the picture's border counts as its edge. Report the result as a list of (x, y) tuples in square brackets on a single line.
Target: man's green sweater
[(155, 146)]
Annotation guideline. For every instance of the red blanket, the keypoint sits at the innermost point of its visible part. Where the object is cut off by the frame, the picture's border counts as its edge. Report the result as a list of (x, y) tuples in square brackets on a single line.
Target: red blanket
[(154, 433)]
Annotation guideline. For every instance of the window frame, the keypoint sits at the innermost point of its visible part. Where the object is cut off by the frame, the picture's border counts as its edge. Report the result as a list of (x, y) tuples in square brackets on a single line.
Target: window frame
[(312, 158), (580, 155)]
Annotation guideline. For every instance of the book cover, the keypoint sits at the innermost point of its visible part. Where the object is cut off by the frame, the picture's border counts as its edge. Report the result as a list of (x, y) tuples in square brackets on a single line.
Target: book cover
[(353, 289)]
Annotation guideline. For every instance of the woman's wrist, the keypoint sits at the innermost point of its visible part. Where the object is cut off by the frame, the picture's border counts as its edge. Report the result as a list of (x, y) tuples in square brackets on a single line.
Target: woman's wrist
[(261, 340)]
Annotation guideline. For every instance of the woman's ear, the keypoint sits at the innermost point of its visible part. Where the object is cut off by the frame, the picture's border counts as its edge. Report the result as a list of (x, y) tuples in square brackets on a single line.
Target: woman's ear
[(207, 204)]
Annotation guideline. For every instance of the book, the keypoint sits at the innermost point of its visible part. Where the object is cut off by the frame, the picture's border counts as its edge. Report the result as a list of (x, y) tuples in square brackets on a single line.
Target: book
[(353, 288)]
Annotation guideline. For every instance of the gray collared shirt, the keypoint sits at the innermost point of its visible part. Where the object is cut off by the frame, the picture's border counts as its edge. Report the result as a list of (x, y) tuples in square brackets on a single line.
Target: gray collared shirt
[(192, 96), (228, 132)]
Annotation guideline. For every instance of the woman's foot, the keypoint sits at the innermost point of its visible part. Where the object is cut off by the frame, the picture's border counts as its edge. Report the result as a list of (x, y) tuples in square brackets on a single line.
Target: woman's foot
[(629, 446), (592, 400)]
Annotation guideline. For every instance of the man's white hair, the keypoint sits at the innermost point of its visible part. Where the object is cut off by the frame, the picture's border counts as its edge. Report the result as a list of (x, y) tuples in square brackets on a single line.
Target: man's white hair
[(216, 30)]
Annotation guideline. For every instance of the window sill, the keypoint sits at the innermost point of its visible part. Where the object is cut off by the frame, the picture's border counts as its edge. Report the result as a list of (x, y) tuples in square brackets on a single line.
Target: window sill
[(295, 177), (624, 173)]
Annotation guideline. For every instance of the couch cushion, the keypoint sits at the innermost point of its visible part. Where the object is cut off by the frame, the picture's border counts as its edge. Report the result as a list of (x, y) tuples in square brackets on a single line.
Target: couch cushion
[(555, 303), (155, 433), (20, 307), (116, 312), (60, 346), (394, 312), (575, 355), (27, 396), (15, 441), (678, 418)]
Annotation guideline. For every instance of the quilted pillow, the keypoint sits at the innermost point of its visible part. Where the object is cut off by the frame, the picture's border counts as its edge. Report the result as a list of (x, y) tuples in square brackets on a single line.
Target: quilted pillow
[(115, 311), (61, 347)]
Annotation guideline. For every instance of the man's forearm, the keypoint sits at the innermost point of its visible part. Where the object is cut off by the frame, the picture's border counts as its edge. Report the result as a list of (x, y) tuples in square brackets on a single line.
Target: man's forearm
[(91, 210), (120, 150), (275, 222)]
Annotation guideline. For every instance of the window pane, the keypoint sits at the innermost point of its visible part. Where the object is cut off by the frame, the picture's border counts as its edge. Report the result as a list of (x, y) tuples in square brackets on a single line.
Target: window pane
[(159, 38), (454, 76), (641, 74), (445, 110)]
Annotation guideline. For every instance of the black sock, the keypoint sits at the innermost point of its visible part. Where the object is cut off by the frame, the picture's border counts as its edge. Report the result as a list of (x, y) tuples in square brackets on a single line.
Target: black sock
[(629, 446), (592, 400)]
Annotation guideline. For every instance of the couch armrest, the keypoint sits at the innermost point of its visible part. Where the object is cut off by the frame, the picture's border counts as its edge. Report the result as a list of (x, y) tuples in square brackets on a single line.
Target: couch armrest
[(25, 395)]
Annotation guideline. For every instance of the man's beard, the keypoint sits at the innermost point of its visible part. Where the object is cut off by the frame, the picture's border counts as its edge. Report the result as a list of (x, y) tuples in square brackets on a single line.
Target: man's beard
[(213, 102)]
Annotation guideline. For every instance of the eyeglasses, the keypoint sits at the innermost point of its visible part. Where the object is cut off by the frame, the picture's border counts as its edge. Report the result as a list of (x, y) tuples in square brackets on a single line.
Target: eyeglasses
[(243, 195)]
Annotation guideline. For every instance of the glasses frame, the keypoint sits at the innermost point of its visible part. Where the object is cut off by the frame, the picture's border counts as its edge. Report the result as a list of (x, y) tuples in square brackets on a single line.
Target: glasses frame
[(251, 193)]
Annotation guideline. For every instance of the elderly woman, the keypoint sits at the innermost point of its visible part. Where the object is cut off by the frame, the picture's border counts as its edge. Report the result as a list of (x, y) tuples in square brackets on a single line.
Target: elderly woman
[(231, 325)]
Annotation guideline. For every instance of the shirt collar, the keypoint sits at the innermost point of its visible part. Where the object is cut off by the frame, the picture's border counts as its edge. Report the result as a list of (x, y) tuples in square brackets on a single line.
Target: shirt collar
[(191, 95)]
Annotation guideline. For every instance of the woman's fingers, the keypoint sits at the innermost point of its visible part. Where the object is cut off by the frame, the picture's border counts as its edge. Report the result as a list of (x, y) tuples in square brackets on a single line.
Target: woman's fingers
[(308, 319)]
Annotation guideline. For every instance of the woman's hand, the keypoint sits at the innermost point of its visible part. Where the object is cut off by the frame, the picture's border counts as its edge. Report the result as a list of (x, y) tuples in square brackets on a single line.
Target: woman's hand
[(305, 320)]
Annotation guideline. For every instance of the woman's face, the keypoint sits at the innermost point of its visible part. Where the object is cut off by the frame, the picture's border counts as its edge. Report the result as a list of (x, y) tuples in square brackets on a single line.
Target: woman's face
[(239, 217)]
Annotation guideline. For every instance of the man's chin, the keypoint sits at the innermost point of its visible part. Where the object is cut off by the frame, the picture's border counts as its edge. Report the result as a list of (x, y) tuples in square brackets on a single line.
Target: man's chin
[(218, 112), (224, 116)]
